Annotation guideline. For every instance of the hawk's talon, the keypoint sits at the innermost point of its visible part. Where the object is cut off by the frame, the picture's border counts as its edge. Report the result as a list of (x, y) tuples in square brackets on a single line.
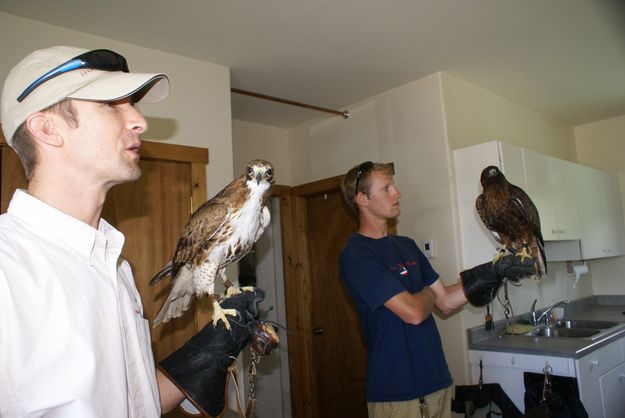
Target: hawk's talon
[(220, 313), (234, 290), (524, 253), (500, 254)]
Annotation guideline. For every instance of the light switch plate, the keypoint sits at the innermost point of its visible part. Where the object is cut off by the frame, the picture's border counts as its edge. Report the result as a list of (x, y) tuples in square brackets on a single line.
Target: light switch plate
[(428, 248)]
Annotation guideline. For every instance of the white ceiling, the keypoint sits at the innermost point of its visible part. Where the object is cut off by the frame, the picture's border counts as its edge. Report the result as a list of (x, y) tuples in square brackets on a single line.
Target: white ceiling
[(563, 58)]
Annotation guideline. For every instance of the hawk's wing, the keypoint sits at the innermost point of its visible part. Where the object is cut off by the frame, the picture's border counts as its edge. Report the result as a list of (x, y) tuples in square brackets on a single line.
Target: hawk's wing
[(486, 217), (203, 225), (532, 231), (526, 208), (196, 235)]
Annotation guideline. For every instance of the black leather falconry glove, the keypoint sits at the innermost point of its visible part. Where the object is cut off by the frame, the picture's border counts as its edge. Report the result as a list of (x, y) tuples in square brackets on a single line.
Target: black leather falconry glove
[(199, 368), (481, 283)]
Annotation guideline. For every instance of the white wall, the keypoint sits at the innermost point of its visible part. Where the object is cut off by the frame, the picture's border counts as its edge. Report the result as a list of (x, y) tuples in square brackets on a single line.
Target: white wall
[(475, 115), (601, 145), (196, 112), (252, 140)]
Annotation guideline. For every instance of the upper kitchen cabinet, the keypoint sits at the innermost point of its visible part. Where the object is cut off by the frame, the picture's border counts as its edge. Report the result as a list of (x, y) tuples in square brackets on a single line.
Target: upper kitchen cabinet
[(577, 204), (552, 186), (600, 211), (478, 246)]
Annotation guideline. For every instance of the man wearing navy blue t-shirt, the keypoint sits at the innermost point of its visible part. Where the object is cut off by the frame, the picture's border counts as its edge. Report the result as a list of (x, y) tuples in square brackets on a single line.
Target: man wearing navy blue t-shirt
[(395, 290)]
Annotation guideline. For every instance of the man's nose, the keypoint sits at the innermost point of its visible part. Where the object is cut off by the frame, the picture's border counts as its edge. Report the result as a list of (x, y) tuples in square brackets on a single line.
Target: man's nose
[(135, 120)]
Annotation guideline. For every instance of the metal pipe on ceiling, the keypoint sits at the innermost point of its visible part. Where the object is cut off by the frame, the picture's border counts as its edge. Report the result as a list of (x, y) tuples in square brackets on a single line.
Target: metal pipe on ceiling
[(343, 113)]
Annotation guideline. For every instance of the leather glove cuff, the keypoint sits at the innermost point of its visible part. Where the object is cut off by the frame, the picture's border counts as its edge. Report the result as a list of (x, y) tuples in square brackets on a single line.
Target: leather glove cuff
[(199, 368), (481, 283)]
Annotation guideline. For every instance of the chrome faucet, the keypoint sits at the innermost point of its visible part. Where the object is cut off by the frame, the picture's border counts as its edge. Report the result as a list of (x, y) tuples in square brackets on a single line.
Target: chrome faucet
[(536, 320)]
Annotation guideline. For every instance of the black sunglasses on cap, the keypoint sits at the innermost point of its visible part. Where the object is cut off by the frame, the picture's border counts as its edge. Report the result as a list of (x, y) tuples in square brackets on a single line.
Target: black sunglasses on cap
[(363, 168), (98, 59)]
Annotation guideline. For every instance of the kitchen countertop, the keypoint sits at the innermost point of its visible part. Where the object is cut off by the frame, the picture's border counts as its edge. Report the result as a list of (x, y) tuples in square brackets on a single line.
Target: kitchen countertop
[(600, 308)]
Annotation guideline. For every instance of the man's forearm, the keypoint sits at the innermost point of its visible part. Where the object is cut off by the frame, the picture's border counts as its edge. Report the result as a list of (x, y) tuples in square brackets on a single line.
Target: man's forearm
[(426, 297), (413, 308), (453, 299), (170, 395), (424, 302)]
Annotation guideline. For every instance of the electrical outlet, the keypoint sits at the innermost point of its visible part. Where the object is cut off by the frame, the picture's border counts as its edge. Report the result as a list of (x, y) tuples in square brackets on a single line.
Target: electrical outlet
[(428, 248)]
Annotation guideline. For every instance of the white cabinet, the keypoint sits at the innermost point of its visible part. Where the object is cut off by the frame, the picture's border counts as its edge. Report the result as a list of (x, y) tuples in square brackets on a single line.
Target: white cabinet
[(600, 375), (478, 246), (595, 375), (613, 392), (575, 203), (551, 184), (601, 218)]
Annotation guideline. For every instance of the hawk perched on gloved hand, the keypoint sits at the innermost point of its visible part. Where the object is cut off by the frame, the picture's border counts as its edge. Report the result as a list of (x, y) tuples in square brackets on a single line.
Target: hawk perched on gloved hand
[(219, 233), (512, 218)]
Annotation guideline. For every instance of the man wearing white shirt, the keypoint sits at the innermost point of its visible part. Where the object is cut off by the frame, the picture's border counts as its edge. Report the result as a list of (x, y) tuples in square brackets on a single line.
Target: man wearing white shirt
[(73, 340)]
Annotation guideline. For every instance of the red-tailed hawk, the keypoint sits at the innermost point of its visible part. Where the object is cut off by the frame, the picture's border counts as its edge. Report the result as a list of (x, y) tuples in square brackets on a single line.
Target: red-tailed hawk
[(512, 218), (219, 232)]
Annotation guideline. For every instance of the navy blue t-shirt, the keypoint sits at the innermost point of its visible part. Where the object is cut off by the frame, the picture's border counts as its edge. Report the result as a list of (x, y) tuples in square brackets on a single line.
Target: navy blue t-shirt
[(404, 361)]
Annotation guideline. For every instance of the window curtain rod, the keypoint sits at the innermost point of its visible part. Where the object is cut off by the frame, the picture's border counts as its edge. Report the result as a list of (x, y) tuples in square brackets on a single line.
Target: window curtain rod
[(344, 114)]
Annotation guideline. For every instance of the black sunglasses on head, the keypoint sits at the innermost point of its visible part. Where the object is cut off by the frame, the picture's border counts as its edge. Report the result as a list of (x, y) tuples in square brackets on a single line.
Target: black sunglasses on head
[(363, 168), (98, 59)]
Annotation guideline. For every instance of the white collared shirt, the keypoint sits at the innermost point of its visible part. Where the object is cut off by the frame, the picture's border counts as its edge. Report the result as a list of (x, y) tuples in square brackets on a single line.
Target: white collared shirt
[(73, 340)]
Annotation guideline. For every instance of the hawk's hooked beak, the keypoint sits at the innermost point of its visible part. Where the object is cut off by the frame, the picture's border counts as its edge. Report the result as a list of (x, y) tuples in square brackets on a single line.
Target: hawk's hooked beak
[(259, 177)]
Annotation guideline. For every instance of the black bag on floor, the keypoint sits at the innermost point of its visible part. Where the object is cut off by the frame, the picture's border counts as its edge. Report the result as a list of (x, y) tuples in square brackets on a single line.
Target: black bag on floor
[(468, 398), (552, 396)]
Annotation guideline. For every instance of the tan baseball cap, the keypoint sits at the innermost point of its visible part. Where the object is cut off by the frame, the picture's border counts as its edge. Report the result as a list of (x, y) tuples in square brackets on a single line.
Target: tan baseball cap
[(84, 83)]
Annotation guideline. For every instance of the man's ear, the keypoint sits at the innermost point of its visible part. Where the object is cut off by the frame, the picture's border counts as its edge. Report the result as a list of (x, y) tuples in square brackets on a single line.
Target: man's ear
[(42, 127), (361, 199)]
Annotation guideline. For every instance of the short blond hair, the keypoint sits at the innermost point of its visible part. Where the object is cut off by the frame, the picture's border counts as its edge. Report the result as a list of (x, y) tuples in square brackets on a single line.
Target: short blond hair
[(348, 184)]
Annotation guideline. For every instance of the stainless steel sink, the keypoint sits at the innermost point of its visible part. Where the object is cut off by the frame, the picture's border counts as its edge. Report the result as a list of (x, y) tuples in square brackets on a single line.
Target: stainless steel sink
[(576, 324), (555, 332)]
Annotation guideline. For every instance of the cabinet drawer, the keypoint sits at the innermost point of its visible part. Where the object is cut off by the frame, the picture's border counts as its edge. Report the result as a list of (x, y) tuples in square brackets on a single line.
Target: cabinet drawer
[(560, 366), (600, 361)]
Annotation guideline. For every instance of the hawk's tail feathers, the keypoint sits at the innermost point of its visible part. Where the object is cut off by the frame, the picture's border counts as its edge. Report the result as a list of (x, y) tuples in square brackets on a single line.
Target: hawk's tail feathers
[(541, 262), (173, 309), (161, 274), (179, 299)]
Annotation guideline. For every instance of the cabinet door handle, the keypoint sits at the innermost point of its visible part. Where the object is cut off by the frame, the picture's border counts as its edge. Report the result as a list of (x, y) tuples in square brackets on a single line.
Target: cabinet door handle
[(594, 363)]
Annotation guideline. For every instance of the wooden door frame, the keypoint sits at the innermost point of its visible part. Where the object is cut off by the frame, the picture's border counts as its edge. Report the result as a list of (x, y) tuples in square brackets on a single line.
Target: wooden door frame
[(297, 286)]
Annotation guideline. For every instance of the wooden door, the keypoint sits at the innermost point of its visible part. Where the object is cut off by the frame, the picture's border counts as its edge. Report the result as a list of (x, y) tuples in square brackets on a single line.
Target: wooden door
[(150, 212), (11, 175), (327, 357), (339, 354)]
